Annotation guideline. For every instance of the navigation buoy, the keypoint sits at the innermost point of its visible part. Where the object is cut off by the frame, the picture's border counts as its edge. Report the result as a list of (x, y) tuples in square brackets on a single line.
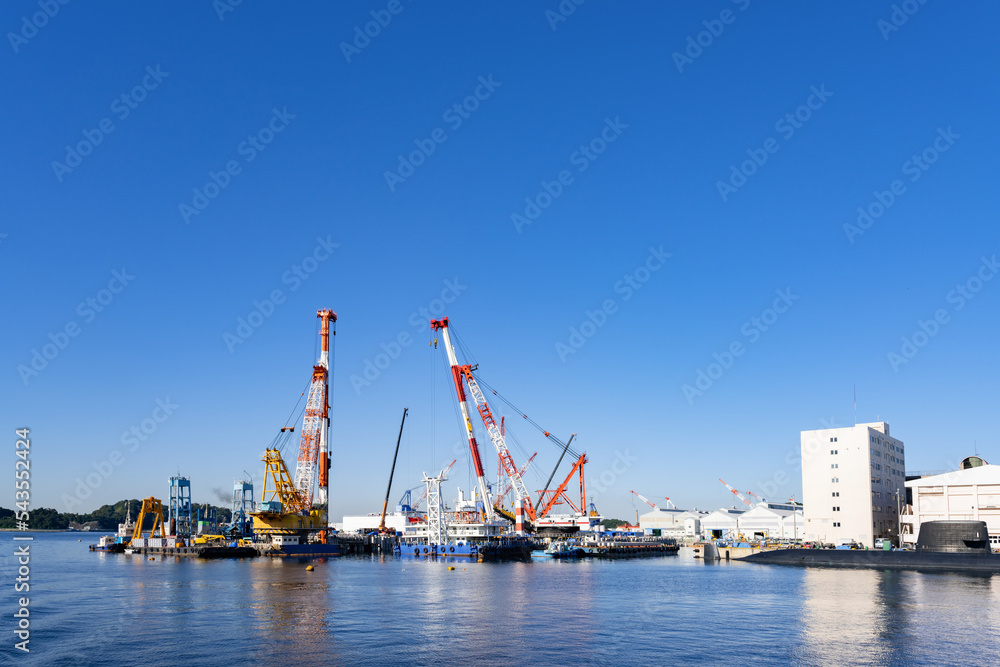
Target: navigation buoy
[(151, 558), (310, 568), (451, 567)]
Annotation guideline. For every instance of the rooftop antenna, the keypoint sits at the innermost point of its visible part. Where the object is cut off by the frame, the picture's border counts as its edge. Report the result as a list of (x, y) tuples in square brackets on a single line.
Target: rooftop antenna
[(855, 405)]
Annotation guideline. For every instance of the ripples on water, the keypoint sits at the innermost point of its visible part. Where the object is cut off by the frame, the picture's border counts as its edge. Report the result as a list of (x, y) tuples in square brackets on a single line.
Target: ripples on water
[(100, 609)]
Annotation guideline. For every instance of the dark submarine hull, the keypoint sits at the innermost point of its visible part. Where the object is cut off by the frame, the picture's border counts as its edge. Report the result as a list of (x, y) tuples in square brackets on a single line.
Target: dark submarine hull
[(957, 546), (887, 560)]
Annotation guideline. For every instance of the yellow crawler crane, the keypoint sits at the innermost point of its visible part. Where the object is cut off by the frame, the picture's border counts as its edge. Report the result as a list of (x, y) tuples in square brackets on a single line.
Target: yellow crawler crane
[(283, 509), (153, 507)]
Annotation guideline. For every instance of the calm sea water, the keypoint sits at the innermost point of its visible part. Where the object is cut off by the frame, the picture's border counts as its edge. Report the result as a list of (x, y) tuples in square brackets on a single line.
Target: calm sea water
[(104, 609)]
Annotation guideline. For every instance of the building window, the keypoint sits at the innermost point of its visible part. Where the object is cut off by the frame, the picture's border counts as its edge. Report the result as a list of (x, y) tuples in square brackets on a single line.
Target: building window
[(835, 480), (836, 509), (833, 465), (836, 524), (836, 494)]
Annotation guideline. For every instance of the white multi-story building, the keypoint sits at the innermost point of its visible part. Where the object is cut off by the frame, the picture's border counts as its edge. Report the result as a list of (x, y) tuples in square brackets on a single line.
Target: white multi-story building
[(852, 483)]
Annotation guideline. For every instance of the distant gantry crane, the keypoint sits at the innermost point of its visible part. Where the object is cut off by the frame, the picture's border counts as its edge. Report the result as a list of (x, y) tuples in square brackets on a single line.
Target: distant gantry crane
[(737, 494), (643, 499), (670, 503)]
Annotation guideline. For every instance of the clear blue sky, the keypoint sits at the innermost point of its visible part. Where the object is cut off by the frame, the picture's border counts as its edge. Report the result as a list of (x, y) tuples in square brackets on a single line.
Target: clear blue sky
[(661, 131)]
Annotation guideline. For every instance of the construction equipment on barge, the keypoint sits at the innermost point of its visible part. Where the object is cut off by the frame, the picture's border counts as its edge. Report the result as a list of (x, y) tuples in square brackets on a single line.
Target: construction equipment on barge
[(292, 519)]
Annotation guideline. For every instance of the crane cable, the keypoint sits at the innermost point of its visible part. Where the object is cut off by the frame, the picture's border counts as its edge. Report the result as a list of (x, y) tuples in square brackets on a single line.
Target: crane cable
[(555, 441)]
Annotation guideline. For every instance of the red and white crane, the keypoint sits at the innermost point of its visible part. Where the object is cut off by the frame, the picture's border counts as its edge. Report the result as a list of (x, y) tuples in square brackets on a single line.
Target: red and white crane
[(510, 484), (456, 374), (313, 445), (643, 499), (737, 494)]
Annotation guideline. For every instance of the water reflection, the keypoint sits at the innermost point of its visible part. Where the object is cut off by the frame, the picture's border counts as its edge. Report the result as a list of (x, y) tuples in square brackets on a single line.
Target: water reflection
[(898, 617), (290, 609)]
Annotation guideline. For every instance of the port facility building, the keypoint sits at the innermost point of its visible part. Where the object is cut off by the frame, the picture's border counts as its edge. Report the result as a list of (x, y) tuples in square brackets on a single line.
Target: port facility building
[(671, 522), (971, 493), (771, 521)]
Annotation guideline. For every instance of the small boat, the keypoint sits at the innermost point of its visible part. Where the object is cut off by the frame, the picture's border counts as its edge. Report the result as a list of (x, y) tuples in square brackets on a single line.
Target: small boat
[(564, 550)]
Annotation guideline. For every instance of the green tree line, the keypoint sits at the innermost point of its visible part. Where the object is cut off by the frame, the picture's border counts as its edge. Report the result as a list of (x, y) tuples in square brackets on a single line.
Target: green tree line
[(107, 516)]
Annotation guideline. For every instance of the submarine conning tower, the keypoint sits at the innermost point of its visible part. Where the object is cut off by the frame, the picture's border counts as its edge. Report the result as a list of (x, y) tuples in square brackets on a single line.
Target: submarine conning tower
[(954, 537)]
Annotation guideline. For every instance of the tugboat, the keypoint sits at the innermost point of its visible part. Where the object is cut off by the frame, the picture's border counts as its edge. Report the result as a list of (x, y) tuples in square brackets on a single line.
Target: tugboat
[(117, 543), (564, 550)]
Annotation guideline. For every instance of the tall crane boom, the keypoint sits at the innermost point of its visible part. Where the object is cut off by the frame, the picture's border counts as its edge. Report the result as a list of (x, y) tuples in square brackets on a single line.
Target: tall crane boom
[(643, 499), (737, 494), (499, 443), (313, 446), (524, 468), (456, 374)]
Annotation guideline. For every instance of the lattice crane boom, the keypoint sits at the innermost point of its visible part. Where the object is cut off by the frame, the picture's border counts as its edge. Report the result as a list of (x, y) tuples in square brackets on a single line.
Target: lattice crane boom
[(313, 446), (499, 443), (456, 373), (510, 485)]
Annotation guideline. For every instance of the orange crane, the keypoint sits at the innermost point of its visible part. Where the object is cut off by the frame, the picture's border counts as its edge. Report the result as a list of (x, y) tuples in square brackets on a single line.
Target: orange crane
[(549, 499)]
